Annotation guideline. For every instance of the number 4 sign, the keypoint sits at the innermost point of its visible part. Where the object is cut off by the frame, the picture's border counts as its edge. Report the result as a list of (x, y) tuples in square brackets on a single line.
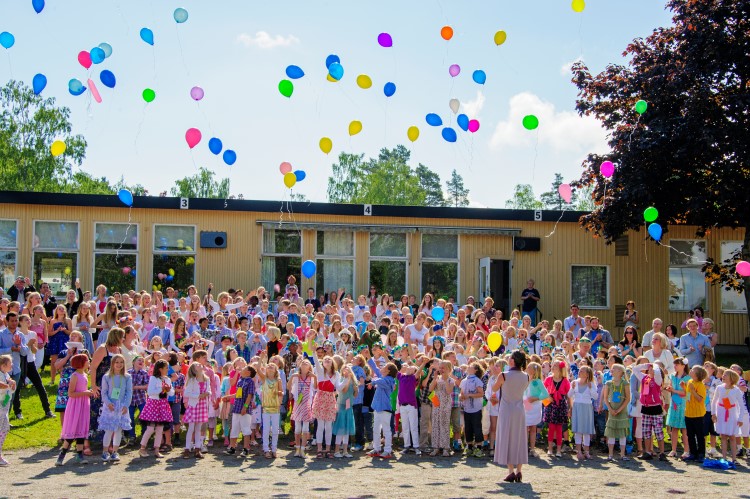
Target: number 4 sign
[(368, 210)]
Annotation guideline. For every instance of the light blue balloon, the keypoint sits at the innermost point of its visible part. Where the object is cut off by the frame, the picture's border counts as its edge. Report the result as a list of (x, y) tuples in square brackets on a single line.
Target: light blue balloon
[(180, 15), (294, 72), (300, 175), (39, 82), (479, 76), (389, 89), (655, 231), (147, 36), (230, 157), (438, 313), (107, 48), (463, 122), (336, 70), (449, 134), (75, 87), (126, 197), (308, 268), (215, 145), (434, 120), (97, 55), (7, 40)]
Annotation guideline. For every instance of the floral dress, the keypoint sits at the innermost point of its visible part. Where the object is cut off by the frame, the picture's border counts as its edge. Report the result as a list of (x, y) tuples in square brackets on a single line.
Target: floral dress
[(62, 388), (302, 411), (676, 414), (557, 411), (324, 403)]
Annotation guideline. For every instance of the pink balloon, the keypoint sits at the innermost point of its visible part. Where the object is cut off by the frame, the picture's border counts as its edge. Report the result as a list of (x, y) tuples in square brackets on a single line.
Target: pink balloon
[(565, 192), (94, 91), (285, 168), (196, 93), (161, 276), (385, 40), (126, 270), (743, 268), (85, 59), (454, 70), (473, 126), (193, 137), (607, 169)]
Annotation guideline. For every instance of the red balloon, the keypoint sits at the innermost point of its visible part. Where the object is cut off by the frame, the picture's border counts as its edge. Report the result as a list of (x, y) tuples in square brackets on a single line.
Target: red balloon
[(85, 59), (193, 137)]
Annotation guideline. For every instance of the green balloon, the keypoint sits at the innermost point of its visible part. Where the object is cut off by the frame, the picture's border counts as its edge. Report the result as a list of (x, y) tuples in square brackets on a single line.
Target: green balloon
[(149, 95), (650, 214), (641, 106), (286, 88), (530, 122)]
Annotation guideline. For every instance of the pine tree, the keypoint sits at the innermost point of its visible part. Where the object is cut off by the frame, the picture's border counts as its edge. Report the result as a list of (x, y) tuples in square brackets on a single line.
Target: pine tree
[(459, 195)]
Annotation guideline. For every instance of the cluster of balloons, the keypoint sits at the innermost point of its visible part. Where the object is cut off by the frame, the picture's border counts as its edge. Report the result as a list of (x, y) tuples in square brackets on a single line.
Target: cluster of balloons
[(169, 276), (308, 268), (215, 146), (96, 55), (655, 230), (291, 177), (128, 271)]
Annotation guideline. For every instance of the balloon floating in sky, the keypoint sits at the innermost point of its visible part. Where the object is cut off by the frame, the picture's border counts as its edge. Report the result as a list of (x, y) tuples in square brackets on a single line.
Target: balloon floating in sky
[(97, 55), (180, 15), (355, 127), (412, 133), (385, 40), (479, 76), (147, 36), (326, 145), (473, 126), (655, 231), (39, 83), (57, 148), (149, 95), (38, 6), (294, 72), (7, 40), (290, 179), (126, 197), (94, 91), (193, 137), (641, 106), (455, 105), (463, 122), (75, 87), (650, 214), (607, 169), (454, 70), (300, 175), (433, 119), (743, 268), (84, 59), (308, 269), (229, 157), (108, 78), (446, 33), (449, 134), (500, 37), (331, 59), (578, 5), (389, 89), (286, 88), (197, 93), (565, 191), (530, 122), (364, 82), (336, 70), (107, 48), (215, 145), (285, 168)]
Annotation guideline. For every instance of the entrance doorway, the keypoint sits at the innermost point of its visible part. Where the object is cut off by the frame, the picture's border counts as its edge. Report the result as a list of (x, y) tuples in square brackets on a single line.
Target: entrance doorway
[(494, 281)]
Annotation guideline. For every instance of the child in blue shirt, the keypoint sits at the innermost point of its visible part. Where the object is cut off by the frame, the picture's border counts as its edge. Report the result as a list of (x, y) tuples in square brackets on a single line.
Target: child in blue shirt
[(382, 408)]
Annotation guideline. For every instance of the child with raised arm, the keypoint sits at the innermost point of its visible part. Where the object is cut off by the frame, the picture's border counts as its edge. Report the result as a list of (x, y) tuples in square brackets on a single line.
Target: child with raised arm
[(344, 426), (381, 406), (650, 378)]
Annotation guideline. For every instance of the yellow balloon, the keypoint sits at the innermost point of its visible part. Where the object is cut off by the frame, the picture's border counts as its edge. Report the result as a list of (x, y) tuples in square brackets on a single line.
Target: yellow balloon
[(500, 37), (355, 127), (155, 287), (58, 147), (331, 78), (67, 271), (494, 341), (578, 5), (188, 248), (290, 179), (171, 272), (325, 145), (412, 133), (364, 81)]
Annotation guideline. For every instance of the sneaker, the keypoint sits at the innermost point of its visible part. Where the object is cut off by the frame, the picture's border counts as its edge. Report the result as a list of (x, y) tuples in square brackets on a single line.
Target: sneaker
[(373, 453), (347, 455), (478, 452), (143, 452), (368, 446), (210, 443), (244, 454), (204, 448), (3, 462), (19, 416), (59, 461), (357, 448), (338, 455), (81, 460), (230, 451), (646, 456), (662, 457), (50, 415), (114, 457), (457, 446), (386, 456), (105, 456), (417, 452)]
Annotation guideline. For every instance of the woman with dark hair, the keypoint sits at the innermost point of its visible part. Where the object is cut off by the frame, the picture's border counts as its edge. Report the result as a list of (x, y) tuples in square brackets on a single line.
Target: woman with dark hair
[(629, 344), (510, 441)]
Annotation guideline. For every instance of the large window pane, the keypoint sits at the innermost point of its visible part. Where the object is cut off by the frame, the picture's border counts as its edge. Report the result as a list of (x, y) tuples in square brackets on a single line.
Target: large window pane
[(440, 279), (182, 266), (174, 238), (687, 252), (8, 234), (439, 246), (56, 235), (56, 269), (115, 272), (117, 237), (276, 269), (392, 245), (335, 243), (287, 242), (687, 288), (588, 286), (388, 277), (7, 268), (731, 300), (330, 275)]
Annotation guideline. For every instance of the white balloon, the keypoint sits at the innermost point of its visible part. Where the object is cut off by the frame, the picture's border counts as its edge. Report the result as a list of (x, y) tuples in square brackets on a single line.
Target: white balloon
[(455, 104)]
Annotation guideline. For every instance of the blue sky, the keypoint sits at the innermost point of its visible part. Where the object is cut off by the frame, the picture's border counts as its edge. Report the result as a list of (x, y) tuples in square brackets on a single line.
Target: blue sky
[(238, 51)]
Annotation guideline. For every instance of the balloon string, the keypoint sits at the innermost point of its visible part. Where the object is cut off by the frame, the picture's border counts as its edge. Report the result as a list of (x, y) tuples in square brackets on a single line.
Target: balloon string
[(182, 53), (580, 36), (140, 126), (10, 64), (127, 230), (554, 229), (645, 247), (536, 154), (632, 131)]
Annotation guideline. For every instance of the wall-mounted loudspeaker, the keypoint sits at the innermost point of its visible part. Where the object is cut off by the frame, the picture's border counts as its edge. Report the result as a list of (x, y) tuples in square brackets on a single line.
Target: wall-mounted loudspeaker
[(526, 244), (213, 239)]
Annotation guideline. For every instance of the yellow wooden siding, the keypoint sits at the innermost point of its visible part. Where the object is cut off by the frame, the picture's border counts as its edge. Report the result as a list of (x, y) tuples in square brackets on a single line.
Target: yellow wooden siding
[(642, 276)]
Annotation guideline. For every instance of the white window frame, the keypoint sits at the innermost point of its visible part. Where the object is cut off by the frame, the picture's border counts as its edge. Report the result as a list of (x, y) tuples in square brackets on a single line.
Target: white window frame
[(135, 252), (352, 259), (722, 291), (609, 279), (265, 254), (456, 260), (42, 249), (404, 259), (691, 266), (155, 251), (11, 249)]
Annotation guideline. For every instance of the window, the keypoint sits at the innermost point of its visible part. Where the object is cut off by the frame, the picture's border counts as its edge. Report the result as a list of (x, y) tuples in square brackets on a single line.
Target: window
[(589, 286), (687, 284), (115, 256), (174, 257), (282, 257), (55, 255), (731, 300), (440, 265), (8, 247), (388, 259), (335, 261)]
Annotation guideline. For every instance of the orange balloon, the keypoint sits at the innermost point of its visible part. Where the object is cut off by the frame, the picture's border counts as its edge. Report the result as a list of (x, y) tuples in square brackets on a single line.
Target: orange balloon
[(446, 32)]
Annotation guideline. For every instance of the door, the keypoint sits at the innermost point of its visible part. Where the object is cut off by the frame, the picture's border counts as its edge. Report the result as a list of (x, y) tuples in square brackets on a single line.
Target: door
[(485, 288), (500, 285)]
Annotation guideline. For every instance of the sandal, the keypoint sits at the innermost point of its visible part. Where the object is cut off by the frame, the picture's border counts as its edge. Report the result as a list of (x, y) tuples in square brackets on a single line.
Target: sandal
[(329, 455), (268, 455), (319, 455), (87, 451)]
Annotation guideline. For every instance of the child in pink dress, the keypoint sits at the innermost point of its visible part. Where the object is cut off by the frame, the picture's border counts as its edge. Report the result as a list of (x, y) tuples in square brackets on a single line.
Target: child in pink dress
[(76, 423), (196, 397)]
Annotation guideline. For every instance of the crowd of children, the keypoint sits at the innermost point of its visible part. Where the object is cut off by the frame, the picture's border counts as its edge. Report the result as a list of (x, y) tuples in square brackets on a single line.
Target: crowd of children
[(349, 376)]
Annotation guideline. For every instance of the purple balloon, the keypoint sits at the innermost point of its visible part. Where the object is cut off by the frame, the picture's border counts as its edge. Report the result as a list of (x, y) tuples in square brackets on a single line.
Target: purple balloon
[(196, 93), (385, 40), (454, 70)]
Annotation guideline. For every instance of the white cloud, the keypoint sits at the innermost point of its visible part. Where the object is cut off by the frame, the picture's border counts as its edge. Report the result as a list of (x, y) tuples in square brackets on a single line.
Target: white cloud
[(264, 40), (472, 108), (566, 68)]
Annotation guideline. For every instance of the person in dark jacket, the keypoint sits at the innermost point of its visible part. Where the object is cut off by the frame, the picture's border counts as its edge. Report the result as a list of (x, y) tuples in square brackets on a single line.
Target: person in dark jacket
[(20, 289)]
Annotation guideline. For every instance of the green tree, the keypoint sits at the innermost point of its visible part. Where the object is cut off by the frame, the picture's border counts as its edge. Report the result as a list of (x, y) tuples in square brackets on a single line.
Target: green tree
[(343, 184), (524, 199), (201, 185), (552, 199), (429, 181), (688, 154), (459, 195)]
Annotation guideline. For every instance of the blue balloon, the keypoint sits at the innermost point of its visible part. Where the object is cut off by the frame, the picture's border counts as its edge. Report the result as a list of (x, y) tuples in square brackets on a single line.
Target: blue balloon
[(107, 48), (655, 231), (438, 313), (336, 71), (389, 89), (230, 157), (434, 120), (126, 197), (215, 145), (332, 59), (308, 268), (7, 40), (479, 76), (449, 134), (300, 175), (108, 78), (463, 122), (13, 232), (133, 273), (38, 5), (180, 15), (147, 36), (75, 87), (294, 72), (39, 82), (97, 55), (169, 278)]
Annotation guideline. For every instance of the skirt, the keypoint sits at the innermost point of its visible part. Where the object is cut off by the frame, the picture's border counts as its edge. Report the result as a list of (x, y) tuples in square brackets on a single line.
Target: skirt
[(156, 411), (557, 412), (197, 413), (617, 426), (676, 415), (583, 419), (344, 424), (114, 420), (324, 406)]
